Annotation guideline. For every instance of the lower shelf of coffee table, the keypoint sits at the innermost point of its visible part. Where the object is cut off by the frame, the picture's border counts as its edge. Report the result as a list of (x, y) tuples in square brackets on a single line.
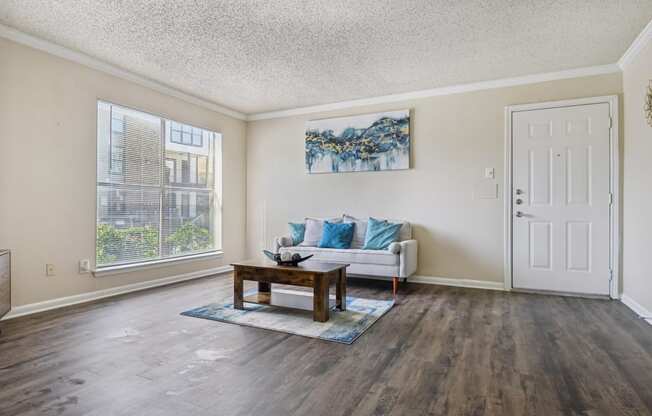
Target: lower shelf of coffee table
[(286, 298)]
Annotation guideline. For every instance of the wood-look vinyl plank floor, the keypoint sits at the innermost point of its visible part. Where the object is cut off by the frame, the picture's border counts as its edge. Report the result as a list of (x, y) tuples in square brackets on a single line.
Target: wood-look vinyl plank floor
[(441, 351)]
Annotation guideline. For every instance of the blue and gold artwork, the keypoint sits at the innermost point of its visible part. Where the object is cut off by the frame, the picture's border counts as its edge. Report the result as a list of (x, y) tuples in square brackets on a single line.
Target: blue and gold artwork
[(369, 142)]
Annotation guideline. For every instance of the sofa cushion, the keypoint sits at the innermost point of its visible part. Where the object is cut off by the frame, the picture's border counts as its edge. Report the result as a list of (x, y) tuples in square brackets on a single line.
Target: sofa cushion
[(314, 229), (336, 235), (406, 230), (380, 234), (361, 230), (297, 231), (336, 255)]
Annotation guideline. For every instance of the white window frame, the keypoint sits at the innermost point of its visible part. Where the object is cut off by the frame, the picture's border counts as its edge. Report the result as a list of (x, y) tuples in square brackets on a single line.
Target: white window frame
[(214, 253)]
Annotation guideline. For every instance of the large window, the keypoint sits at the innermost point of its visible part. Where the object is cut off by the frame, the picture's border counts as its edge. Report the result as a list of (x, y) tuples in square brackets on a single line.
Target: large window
[(157, 187)]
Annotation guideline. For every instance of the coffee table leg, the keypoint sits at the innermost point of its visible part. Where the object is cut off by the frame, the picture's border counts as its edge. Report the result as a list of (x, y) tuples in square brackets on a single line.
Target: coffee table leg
[(340, 290), (238, 290), (320, 299)]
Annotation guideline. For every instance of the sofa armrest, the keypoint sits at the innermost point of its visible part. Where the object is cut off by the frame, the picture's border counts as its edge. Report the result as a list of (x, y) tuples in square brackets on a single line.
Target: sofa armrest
[(394, 248), (408, 258), (283, 241)]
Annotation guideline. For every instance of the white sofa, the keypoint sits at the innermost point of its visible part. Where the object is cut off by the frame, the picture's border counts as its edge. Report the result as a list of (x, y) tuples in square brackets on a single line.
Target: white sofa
[(399, 261)]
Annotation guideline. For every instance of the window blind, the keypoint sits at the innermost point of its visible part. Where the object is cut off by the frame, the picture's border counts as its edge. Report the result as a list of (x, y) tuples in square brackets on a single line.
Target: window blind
[(156, 187)]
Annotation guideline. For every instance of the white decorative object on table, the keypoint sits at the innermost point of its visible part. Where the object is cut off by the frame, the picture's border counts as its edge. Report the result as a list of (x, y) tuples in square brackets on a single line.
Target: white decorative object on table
[(286, 256)]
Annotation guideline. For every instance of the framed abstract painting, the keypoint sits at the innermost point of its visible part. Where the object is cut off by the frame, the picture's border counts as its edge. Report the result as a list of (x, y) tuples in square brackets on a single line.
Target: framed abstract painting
[(368, 142)]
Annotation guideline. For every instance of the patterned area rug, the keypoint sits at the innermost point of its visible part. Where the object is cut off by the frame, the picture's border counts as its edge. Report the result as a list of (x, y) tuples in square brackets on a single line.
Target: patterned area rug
[(344, 327)]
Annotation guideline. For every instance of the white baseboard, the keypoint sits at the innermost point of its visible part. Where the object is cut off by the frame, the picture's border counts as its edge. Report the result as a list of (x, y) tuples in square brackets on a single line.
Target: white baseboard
[(364, 276), (105, 293), (443, 281), (446, 281), (637, 308)]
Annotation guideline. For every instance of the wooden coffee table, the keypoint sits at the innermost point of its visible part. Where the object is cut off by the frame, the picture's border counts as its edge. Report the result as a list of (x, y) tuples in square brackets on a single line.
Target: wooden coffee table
[(316, 275)]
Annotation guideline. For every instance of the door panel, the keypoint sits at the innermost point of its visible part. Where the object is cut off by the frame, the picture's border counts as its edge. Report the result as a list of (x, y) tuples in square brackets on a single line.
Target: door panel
[(578, 175), (540, 179), (541, 245), (578, 246), (561, 175)]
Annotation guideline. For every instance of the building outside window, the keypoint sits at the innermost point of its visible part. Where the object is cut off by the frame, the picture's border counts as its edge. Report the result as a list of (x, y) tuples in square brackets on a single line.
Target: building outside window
[(184, 134), (117, 142)]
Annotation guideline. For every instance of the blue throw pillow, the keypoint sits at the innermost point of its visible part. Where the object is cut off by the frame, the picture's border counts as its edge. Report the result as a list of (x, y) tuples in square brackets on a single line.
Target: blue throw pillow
[(336, 235), (297, 231), (380, 234)]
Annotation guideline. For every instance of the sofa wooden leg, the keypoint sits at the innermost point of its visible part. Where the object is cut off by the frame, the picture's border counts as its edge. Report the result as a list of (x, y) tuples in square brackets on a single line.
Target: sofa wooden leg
[(394, 286)]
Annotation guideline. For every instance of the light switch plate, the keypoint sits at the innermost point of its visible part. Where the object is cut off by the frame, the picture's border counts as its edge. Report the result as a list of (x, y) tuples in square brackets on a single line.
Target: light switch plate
[(489, 173), (49, 270)]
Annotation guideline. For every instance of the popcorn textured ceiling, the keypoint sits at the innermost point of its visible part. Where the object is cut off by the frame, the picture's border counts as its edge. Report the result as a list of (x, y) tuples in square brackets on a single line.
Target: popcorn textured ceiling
[(264, 55)]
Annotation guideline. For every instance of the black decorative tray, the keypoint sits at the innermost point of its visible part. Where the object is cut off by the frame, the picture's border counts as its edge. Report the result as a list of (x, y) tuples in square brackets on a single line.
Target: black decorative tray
[(296, 259)]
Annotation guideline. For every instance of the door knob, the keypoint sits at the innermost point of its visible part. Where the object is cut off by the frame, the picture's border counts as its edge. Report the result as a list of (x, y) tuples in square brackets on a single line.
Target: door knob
[(519, 201), (519, 214), (519, 192)]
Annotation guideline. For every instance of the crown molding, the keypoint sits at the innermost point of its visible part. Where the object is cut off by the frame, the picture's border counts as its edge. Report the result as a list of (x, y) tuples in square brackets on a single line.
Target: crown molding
[(454, 89), (94, 63), (99, 65), (635, 48)]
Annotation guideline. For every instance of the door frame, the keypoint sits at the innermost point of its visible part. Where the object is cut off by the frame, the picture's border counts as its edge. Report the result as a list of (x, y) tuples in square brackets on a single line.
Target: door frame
[(614, 183)]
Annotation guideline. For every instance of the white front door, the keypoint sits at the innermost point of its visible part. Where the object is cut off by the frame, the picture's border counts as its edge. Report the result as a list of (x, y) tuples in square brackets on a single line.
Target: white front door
[(561, 199)]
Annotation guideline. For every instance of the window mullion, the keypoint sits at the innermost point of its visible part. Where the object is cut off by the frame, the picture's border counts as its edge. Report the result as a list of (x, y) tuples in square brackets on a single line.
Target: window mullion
[(111, 139), (161, 191)]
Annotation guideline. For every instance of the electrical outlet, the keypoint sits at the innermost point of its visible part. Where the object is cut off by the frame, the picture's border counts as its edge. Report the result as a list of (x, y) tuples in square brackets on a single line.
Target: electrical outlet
[(84, 266), (49, 270)]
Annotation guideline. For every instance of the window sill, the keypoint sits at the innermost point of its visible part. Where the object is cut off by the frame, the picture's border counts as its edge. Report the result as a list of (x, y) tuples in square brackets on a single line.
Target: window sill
[(146, 265)]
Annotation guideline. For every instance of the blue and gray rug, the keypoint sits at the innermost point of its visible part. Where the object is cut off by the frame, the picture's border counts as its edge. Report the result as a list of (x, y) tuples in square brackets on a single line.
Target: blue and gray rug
[(343, 326)]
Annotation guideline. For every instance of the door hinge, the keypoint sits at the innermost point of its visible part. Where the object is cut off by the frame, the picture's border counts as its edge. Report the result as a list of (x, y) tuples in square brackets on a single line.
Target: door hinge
[(611, 275), (611, 122), (611, 198)]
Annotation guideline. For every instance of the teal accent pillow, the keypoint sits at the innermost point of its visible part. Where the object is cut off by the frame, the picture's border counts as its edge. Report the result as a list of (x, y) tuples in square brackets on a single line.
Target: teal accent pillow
[(336, 235), (297, 231), (380, 234)]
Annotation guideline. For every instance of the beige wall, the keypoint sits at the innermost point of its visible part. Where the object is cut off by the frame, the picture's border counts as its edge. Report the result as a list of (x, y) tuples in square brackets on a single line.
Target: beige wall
[(454, 138), (47, 171), (637, 192), (47, 174)]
